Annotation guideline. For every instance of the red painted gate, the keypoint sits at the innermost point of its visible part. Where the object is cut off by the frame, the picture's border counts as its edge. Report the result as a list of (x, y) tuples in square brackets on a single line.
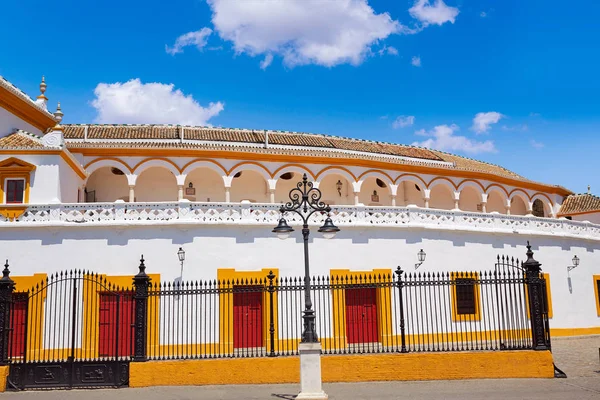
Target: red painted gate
[(19, 324), (247, 317), (110, 327), (361, 315)]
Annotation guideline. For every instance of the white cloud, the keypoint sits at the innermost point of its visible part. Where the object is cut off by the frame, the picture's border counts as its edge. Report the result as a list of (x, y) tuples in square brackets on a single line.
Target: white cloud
[(484, 120), (442, 137), (438, 13), (416, 61), (403, 121), (134, 102), (197, 38), (389, 50), (303, 32), (521, 127), (536, 144), (267, 61), (483, 14)]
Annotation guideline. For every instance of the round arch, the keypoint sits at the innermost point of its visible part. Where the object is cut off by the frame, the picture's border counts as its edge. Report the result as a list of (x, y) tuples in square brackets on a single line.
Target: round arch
[(296, 168), (470, 183), (372, 173), (250, 166), (328, 180), (547, 203), (375, 189), (409, 194), (104, 184), (336, 170), (213, 165), (497, 198), (441, 181), (156, 162), (98, 163), (519, 202)]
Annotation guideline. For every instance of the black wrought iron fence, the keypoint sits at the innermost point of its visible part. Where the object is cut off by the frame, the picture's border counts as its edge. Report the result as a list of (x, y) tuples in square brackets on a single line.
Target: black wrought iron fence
[(503, 309)]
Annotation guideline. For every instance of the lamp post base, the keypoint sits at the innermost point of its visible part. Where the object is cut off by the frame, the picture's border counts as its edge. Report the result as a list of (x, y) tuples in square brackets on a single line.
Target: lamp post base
[(310, 372)]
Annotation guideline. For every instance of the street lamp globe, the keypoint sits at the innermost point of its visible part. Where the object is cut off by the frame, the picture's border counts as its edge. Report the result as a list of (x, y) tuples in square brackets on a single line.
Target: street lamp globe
[(283, 230), (329, 229)]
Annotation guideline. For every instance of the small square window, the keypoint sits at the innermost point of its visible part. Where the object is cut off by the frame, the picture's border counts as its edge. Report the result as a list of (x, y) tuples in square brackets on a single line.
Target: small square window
[(465, 296), (15, 191)]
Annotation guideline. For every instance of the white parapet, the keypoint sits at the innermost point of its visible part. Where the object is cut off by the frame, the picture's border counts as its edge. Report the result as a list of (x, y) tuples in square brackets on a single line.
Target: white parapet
[(183, 213)]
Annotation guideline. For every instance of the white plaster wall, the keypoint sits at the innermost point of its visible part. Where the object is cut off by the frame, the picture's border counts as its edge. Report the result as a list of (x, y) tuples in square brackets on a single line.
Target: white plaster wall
[(156, 184), (249, 186), (10, 122), (591, 217), (44, 183), (442, 198), (366, 191), (108, 186), (69, 183), (208, 184), (117, 252), (469, 198), (330, 194)]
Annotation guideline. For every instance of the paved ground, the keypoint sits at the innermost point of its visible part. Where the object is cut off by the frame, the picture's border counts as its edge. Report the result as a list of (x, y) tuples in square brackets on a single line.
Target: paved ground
[(578, 357)]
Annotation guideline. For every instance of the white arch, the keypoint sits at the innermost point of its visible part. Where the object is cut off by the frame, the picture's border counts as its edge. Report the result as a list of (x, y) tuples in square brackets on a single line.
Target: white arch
[(294, 168), (144, 165), (439, 182), (547, 205), (332, 171), (498, 190), (520, 193), (204, 164), (473, 185), (413, 179), (376, 174), (251, 167), (107, 163)]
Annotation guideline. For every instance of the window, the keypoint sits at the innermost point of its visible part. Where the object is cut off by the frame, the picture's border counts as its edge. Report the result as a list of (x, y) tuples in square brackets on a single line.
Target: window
[(538, 208), (597, 292), (465, 296), (15, 190)]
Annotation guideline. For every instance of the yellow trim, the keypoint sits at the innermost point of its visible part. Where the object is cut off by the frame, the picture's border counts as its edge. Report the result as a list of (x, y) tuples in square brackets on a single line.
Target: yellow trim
[(456, 317), (596, 280), (338, 339), (14, 168), (558, 332), (25, 110), (3, 376), (300, 159), (346, 368), (75, 166), (227, 277)]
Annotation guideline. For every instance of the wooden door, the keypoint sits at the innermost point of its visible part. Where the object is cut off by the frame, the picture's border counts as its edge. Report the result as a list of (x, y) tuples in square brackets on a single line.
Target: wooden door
[(108, 325), (361, 315), (18, 323), (247, 317)]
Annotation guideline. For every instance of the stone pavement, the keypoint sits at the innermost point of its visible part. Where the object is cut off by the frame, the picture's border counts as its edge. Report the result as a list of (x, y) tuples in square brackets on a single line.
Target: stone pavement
[(577, 357)]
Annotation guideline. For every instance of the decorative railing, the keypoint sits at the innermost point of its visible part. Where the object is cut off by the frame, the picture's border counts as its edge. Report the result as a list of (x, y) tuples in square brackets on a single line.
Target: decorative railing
[(268, 214)]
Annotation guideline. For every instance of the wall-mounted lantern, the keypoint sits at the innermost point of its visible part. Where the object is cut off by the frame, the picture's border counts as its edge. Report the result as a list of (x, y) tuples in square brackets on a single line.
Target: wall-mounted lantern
[(421, 257), (575, 262), (338, 186)]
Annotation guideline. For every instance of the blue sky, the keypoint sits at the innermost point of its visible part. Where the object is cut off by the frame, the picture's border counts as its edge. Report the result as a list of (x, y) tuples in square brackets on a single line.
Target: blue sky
[(340, 67)]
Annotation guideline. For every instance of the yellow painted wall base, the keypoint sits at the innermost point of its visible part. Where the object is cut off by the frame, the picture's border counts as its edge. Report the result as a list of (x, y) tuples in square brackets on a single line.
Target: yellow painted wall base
[(3, 376), (346, 368), (556, 332)]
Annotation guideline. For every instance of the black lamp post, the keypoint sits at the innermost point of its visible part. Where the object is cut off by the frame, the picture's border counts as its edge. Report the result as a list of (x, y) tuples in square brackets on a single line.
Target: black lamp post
[(305, 201)]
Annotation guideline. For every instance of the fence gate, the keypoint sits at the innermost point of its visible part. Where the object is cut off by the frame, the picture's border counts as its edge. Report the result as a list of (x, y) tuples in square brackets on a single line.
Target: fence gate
[(72, 330)]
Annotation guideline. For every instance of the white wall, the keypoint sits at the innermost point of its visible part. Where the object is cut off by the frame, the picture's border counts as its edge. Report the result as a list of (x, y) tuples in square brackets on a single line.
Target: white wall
[(10, 122), (70, 183), (591, 217), (116, 251), (44, 182)]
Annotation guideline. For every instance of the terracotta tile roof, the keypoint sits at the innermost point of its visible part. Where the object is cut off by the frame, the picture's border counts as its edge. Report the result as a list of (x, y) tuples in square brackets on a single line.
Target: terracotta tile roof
[(580, 203), (21, 140), (5, 83), (199, 138)]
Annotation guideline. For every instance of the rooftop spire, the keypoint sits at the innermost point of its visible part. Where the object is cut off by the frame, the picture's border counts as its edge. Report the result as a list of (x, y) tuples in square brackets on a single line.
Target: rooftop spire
[(58, 114), (42, 100), (589, 192)]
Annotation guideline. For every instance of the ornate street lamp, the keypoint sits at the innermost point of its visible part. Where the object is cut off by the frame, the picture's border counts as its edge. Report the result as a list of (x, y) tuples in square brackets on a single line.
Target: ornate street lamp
[(305, 201), (421, 257), (181, 255)]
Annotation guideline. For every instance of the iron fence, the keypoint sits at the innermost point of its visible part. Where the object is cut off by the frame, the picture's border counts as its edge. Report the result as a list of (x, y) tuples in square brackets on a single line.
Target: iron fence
[(81, 317)]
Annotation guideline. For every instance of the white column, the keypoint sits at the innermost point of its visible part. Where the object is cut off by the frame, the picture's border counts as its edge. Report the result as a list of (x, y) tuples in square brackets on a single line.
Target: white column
[(131, 193), (529, 209), (393, 200), (227, 183), (272, 196), (507, 206), (310, 372), (393, 194), (179, 192), (227, 194), (456, 201), (356, 198), (271, 185), (484, 198)]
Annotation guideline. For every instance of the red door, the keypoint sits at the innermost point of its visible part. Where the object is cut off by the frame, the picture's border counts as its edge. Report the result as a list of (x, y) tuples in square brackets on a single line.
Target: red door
[(361, 315), (108, 324), (247, 317), (18, 322)]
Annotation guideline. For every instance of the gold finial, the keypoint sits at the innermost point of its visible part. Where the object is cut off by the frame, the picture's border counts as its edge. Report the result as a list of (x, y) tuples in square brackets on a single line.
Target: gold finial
[(43, 89), (58, 114)]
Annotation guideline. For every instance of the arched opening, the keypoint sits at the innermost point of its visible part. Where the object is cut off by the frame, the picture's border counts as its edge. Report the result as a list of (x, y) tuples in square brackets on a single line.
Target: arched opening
[(336, 190), (470, 199), (204, 184), (106, 184), (538, 208), (249, 185), (286, 182), (496, 202), (375, 192), (156, 184), (518, 206), (441, 197), (410, 194)]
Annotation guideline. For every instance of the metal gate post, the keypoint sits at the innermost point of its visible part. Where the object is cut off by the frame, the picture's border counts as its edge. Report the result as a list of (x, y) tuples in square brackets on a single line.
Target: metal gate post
[(6, 288), (399, 272), (141, 283), (537, 314), (271, 290)]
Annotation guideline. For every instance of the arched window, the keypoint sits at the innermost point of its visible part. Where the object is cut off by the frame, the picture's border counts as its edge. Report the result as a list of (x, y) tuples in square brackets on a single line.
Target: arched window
[(538, 208)]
